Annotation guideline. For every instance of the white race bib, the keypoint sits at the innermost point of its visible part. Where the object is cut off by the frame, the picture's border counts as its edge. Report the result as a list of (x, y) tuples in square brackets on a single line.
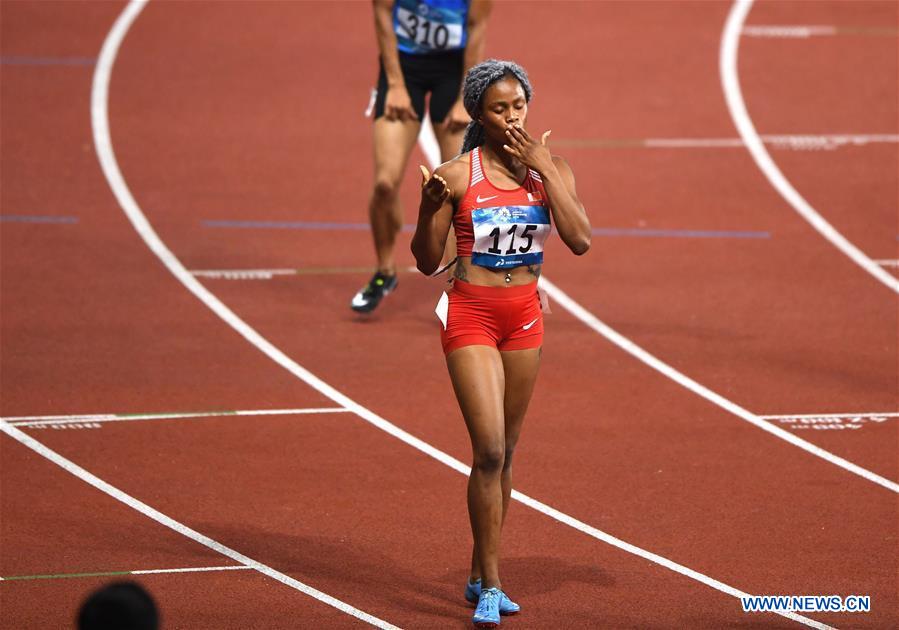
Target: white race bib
[(426, 33), (509, 236)]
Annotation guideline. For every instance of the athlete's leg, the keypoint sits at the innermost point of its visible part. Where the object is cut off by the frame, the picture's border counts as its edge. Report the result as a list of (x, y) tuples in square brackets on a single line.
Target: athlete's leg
[(444, 95), (520, 368), (393, 142), (450, 145), (450, 142), (477, 375)]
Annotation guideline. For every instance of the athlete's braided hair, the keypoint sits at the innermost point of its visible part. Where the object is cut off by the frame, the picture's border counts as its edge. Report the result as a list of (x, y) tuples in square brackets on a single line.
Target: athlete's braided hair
[(477, 80)]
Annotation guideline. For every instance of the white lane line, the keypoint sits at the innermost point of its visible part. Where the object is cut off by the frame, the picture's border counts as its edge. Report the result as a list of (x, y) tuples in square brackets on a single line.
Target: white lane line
[(888, 262), (190, 570), (90, 574), (835, 415), (103, 145), (660, 560), (793, 31), (31, 421), (730, 41), (169, 522), (109, 165), (269, 274), (636, 351), (795, 142), (428, 144), (804, 31), (242, 274)]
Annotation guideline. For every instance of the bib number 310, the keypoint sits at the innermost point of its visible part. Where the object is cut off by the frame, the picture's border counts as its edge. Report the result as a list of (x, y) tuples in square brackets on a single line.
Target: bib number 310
[(427, 33)]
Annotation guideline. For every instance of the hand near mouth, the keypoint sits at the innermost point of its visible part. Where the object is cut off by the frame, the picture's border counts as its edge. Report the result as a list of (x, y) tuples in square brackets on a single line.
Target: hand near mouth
[(528, 151)]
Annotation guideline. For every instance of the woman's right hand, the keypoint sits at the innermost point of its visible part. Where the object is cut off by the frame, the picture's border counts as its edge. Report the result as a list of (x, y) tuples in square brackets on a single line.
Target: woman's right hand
[(398, 105), (434, 190)]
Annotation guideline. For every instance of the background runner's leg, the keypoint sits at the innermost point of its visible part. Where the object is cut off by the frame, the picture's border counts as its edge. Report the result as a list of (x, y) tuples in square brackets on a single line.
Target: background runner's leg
[(393, 142), (450, 144)]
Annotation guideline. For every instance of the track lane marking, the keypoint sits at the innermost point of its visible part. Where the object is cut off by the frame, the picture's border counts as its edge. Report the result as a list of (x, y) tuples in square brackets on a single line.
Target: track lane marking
[(834, 415), (167, 521), (730, 81), (606, 331), (805, 31), (269, 274), (30, 421), (54, 576), (110, 168), (591, 321), (796, 142)]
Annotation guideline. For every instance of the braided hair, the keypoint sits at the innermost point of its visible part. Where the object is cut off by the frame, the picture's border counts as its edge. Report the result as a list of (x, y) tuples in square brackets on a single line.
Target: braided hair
[(477, 80)]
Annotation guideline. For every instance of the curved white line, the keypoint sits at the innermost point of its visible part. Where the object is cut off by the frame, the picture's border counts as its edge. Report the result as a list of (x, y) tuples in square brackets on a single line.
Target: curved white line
[(593, 322), (730, 42), (103, 144), (100, 123), (182, 529), (681, 379)]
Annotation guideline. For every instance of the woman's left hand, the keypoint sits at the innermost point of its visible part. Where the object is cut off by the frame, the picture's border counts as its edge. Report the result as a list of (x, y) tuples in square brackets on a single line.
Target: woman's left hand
[(529, 152)]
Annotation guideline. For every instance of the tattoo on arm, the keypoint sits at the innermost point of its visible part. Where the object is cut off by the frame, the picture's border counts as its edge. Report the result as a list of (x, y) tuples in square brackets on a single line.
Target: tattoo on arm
[(535, 270)]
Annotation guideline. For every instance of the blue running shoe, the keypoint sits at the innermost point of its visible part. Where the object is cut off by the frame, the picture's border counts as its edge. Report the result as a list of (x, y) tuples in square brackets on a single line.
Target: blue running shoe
[(486, 615), (473, 591), (506, 606)]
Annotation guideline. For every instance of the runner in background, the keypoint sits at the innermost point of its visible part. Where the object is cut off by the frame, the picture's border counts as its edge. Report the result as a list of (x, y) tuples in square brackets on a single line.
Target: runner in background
[(426, 46)]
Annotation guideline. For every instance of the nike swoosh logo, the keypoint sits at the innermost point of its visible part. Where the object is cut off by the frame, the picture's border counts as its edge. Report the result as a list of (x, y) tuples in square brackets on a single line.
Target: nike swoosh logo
[(483, 199), (526, 326)]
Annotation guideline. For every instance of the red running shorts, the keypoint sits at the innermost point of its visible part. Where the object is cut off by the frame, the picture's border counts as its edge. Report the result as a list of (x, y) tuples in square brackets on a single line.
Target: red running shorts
[(507, 318)]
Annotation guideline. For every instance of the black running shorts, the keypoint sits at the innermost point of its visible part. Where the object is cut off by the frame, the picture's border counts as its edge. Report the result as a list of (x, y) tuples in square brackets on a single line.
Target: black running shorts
[(439, 74)]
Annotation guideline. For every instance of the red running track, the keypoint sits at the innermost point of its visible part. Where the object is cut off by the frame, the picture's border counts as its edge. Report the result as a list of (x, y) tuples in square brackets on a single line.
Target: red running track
[(239, 112)]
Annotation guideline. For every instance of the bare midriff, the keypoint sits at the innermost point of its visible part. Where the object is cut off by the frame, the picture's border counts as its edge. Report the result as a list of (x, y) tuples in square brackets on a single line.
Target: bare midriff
[(475, 274)]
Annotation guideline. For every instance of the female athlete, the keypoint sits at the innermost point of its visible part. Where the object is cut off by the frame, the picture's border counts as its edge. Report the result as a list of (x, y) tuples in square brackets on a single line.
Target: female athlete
[(502, 194)]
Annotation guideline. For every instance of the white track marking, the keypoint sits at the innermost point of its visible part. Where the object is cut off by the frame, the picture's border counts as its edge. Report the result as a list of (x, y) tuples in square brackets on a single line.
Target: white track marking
[(171, 523), (427, 142), (109, 165), (92, 574), (268, 274), (892, 262), (634, 350), (103, 144), (242, 274), (668, 564), (834, 415), (796, 142), (794, 31), (804, 31), (190, 570), (31, 421), (730, 41), (802, 142)]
